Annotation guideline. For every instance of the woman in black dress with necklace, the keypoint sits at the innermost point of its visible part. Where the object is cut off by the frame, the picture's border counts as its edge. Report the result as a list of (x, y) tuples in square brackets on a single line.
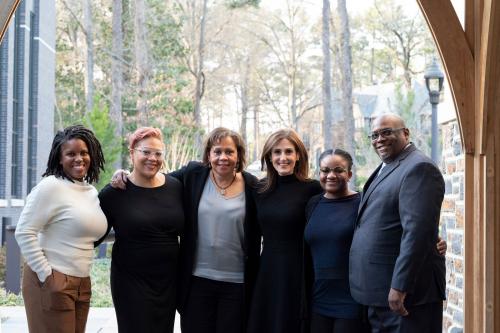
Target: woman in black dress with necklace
[(147, 218), (281, 200)]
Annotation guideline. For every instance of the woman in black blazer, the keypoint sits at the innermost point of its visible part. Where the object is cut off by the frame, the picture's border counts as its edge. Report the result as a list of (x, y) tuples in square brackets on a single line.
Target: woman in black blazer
[(220, 247), (210, 302)]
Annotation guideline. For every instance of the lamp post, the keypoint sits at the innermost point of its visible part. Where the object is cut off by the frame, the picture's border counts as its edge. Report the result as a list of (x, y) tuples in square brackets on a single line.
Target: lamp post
[(434, 78)]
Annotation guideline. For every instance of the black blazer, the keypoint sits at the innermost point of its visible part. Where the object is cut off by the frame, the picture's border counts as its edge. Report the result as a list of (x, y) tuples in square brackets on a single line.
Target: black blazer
[(394, 243), (194, 176)]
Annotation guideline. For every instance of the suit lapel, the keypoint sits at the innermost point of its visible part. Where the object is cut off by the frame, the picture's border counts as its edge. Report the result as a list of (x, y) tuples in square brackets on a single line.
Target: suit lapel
[(375, 180)]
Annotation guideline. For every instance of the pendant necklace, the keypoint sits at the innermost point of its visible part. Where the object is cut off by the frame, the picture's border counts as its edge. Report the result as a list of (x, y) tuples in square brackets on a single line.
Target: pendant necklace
[(222, 190)]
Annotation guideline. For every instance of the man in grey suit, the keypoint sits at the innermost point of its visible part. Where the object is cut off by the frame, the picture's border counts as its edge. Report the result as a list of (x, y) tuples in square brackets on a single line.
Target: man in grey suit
[(395, 268)]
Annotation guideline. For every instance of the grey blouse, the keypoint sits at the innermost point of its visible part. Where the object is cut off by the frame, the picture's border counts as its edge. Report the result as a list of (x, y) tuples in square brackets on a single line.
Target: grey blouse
[(219, 253)]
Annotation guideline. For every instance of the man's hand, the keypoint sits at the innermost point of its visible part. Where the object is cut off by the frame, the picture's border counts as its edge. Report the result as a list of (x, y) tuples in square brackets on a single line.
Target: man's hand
[(396, 302), (119, 179), (441, 246)]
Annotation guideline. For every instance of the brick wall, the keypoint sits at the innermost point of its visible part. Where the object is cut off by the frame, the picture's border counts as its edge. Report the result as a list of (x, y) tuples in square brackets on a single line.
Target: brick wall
[(452, 225)]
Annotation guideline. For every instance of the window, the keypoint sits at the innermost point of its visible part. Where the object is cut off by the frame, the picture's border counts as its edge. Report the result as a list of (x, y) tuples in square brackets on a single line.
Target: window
[(3, 114), (32, 103), (18, 104)]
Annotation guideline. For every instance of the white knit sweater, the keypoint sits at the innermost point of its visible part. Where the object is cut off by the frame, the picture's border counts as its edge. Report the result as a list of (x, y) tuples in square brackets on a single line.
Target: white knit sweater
[(58, 227)]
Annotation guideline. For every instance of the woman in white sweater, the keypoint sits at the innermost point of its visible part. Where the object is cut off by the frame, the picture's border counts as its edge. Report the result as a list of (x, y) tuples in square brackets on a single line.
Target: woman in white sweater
[(56, 233)]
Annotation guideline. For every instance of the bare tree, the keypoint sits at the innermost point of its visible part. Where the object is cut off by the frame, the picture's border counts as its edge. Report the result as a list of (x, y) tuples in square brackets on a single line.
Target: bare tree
[(199, 68), (117, 74), (142, 60), (327, 79), (286, 37), (400, 39), (245, 87), (180, 152), (89, 77), (346, 88)]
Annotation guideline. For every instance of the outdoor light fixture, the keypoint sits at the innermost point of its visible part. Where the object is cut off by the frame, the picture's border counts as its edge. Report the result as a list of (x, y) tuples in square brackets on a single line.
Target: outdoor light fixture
[(434, 78)]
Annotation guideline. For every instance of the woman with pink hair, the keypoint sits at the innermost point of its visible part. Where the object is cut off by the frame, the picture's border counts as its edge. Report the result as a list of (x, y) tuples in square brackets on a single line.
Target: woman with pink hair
[(147, 218)]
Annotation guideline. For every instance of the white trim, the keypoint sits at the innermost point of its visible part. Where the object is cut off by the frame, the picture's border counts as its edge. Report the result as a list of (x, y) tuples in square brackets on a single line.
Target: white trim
[(16, 202), (45, 44), (25, 27), (3, 203)]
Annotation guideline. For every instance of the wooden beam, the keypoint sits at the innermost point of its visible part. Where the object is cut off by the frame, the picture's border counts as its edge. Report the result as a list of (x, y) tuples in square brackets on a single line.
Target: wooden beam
[(7, 10), (489, 62), (458, 61), (469, 22), (473, 235), (489, 103)]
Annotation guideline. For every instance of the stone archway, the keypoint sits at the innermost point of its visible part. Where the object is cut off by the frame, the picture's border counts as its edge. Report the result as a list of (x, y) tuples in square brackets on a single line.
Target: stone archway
[(471, 58)]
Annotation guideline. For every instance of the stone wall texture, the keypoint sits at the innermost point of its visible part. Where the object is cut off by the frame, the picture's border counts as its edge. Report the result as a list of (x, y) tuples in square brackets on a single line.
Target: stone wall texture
[(452, 225)]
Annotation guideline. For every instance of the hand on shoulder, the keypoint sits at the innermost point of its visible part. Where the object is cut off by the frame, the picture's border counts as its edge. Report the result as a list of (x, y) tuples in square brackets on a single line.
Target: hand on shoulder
[(119, 179)]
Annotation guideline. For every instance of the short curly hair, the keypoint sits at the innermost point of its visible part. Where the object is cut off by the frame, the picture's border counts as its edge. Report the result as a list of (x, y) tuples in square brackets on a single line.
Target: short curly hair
[(143, 133), (214, 138)]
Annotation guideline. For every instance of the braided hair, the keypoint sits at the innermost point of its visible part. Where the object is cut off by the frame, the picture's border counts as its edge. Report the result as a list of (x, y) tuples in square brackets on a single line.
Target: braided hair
[(97, 161)]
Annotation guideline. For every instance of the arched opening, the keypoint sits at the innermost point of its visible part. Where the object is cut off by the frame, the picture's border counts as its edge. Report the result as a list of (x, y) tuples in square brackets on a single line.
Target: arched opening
[(471, 58)]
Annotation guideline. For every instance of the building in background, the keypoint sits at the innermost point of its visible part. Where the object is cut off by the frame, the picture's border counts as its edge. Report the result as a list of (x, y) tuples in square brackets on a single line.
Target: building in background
[(27, 97)]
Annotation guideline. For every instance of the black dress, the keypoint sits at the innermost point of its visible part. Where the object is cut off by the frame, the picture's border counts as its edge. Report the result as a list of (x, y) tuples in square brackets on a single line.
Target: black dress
[(147, 223), (276, 302)]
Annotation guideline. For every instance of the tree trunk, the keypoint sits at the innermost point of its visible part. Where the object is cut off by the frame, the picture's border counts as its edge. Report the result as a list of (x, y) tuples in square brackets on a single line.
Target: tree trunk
[(142, 61), (346, 62), (89, 77), (327, 80), (200, 78), (199, 66), (117, 75), (256, 146), (293, 77), (244, 99)]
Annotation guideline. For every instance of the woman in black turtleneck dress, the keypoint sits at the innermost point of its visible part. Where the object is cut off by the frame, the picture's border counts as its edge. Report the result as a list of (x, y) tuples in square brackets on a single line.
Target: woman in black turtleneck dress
[(281, 199)]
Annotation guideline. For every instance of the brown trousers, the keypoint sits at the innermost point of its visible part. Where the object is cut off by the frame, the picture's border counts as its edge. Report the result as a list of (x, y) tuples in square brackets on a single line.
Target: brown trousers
[(59, 305)]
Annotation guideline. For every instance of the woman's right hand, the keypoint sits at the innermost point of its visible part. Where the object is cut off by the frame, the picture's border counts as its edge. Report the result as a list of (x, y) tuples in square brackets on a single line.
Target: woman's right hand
[(43, 277), (119, 179)]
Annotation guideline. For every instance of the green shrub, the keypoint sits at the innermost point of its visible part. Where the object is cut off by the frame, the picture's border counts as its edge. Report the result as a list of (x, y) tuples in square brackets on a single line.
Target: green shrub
[(101, 290), (9, 299)]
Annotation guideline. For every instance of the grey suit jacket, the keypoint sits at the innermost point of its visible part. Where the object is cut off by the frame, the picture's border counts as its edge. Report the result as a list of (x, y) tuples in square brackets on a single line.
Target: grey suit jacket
[(394, 244)]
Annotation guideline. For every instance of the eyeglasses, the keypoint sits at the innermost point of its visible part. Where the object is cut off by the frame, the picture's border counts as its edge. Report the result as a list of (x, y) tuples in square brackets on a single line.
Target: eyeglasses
[(158, 154), (337, 170), (384, 132)]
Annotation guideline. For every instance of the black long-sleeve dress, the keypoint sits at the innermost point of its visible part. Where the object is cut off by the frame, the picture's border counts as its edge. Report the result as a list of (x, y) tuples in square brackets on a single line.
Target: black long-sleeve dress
[(147, 223), (276, 302)]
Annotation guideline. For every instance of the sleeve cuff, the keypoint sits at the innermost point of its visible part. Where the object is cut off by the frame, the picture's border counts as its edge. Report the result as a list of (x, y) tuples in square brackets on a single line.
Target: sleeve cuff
[(42, 276)]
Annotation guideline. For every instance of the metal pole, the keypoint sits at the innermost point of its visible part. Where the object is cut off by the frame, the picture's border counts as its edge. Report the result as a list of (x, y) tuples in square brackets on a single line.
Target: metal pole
[(434, 99), (5, 222)]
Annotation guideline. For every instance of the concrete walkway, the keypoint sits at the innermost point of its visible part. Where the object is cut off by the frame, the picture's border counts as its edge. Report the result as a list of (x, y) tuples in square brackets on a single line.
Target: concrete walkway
[(101, 320)]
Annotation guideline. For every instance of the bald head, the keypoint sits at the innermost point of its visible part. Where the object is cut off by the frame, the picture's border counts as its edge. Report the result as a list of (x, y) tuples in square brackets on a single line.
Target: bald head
[(389, 136), (395, 119)]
